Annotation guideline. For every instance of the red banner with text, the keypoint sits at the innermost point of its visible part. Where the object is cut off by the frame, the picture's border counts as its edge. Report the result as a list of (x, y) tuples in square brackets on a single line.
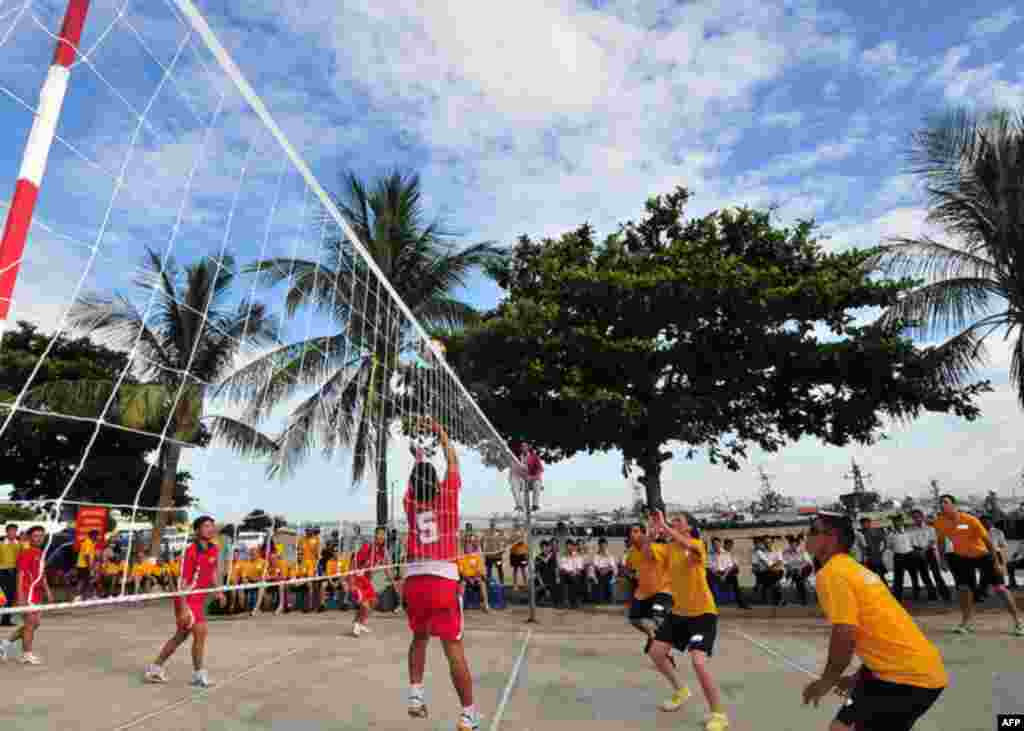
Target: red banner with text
[(90, 519)]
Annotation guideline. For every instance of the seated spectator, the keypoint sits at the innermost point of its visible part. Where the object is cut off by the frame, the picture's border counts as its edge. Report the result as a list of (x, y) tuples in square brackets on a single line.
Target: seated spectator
[(518, 557), (471, 570), (605, 570), (570, 569), (546, 573), (769, 570), (798, 565), (727, 572)]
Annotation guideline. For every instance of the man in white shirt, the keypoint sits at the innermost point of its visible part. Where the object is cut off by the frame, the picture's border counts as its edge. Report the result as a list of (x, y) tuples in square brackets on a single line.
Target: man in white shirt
[(571, 568), (602, 565), (727, 572), (923, 541), (904, 560), (798, 565), (769, 569)]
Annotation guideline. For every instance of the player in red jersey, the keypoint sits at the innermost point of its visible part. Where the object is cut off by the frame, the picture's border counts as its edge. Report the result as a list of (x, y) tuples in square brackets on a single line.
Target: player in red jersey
[(431, 590), (32, 586), (361, 580), (199, 571)]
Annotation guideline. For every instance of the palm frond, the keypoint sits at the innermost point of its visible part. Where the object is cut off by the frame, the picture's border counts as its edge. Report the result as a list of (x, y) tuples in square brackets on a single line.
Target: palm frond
[(445, 313), (936, 309), (955, 360), (1017, 362), (925, 258), (116, 322), (240, 437)]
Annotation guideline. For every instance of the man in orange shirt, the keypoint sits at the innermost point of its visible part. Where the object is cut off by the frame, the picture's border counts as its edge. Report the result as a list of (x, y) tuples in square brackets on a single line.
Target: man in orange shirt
[(973, 552), (902, 674)]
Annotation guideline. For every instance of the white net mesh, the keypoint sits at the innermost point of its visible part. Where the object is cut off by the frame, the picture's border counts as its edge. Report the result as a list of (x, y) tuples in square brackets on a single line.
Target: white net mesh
[(255, 340)]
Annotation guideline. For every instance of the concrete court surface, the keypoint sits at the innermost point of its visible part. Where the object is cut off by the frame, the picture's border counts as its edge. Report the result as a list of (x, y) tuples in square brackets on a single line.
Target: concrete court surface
[(579, 670)]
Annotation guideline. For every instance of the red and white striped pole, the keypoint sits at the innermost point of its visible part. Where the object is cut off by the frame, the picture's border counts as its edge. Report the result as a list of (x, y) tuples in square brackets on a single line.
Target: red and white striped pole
[(37, 150)]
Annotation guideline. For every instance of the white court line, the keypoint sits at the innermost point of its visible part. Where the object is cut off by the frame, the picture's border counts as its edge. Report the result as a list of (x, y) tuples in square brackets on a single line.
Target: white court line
[(776, 654), (496, 721), (204, 693)]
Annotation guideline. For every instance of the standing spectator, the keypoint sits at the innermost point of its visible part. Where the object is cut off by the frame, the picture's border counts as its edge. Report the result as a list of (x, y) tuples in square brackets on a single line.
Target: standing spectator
[(709, 562), (570, 569), (546, 572), (494, 553), (1002, 548), (534, 472), (86, 565), (924, 541), (727, 572), (10, 547), (798, 565), (518, 557), (871, 543), (605, 570), (904, 559), (311, 549)]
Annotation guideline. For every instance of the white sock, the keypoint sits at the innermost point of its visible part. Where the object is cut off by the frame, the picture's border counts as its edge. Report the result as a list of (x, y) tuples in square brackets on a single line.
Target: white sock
[(416, 692)]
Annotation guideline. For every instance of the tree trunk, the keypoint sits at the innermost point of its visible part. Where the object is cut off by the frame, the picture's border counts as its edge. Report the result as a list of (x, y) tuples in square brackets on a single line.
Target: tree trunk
[(170, 456), (650, 463), (382, 476)]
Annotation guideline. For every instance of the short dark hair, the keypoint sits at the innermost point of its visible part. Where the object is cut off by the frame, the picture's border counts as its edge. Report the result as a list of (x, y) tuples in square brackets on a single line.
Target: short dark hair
[(841, 525), (34, 529), (12, 525), (198, 522), (949, 497), (424, 482)]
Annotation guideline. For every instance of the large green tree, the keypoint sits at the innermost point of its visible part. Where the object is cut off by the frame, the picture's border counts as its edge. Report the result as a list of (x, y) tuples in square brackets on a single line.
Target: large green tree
[(40, 453), (195, 326), (352, 371), (972, 168), (701, 333)]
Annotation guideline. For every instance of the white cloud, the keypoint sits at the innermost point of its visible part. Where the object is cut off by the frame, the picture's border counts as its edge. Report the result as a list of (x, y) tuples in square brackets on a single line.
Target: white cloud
[(783, 119), (975, 86), (889, 65), (993, 25)]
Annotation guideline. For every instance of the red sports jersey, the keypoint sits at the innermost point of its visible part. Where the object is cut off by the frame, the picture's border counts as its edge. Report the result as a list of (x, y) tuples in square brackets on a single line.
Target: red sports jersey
[(30, 562), (434, 529), (370, 555), (199, 570)]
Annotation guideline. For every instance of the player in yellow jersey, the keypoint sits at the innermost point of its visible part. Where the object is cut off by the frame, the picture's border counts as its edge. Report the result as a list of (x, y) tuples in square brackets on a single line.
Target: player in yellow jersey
[(652, 598), (259, 568), (902, 674), (471, 570), (236, 578), (86, 565), (310, 549), (693, 623)]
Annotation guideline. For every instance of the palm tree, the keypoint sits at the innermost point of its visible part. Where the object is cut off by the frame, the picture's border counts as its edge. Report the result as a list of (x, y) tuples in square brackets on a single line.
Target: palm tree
[(191, 328), (973, 169), (353, 371)]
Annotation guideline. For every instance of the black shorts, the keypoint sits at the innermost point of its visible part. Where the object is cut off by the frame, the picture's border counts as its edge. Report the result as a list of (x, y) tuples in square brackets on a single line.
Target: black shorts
[(644, 608), (965, 571), (517, 560), (877, 705), (689, 633)]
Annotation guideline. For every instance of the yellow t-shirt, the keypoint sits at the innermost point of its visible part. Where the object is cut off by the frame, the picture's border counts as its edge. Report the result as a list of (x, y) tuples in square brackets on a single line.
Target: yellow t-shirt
[(256, 569), (965, 533), (86, 553), (652, 575), (690, 588), (9, 554), (310, 548), (887, 640), (470, 566)]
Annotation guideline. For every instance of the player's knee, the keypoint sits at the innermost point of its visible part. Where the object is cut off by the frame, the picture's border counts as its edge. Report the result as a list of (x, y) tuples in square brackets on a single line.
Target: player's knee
[(659, 650), (699, 658), (839, 726)]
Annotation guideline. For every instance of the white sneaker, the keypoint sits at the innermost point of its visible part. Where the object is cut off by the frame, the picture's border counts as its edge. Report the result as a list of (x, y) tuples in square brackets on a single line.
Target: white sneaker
[(417, 708), (155, 674), (468, 722), (963, 629), (5, 650), (200, 679), (1019, 629), (29, 659), (357, 629), (76, 600)]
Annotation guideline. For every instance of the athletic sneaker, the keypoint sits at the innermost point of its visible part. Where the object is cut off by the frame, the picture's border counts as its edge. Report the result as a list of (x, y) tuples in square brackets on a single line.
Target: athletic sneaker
[(5, 649), (155, 674), (963, 629), (417, 708), (468, 722), (364, 629), (200, 679), (1019, 629), (677, 700), (716, 722), (29, 659)]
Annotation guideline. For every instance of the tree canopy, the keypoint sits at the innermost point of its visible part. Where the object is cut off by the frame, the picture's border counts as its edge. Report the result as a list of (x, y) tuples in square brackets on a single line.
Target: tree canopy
[(703, 333), (41, 452)]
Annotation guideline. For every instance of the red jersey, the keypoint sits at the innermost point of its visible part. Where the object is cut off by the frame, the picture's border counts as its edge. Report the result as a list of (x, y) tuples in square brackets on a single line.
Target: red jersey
[(30, 566), (199, 569), (434, 529), (370, 555)]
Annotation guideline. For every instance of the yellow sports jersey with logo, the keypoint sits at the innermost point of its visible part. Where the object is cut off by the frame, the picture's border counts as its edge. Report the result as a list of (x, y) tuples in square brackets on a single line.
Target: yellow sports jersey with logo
[(887, 640), (471, 566), (86, 553)]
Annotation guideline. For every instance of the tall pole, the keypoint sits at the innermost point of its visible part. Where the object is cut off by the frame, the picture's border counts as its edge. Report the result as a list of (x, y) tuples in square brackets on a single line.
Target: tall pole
[(37, 151), (531, 588)]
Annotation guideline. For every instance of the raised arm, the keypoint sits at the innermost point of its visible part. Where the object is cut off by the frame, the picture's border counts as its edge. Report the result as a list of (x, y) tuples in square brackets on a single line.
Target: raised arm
[(449, 450)]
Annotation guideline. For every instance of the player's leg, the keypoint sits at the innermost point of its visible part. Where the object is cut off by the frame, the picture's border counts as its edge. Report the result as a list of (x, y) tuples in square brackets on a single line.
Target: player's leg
[(703, 631), (199, 634), (184, 622), (417, 669), (992, 577), (965, 580), (27, 634), (458, 666), (671, 633)]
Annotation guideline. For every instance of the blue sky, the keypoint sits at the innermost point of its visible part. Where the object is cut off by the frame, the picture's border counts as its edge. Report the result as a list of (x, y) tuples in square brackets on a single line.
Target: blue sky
[(530, 117)]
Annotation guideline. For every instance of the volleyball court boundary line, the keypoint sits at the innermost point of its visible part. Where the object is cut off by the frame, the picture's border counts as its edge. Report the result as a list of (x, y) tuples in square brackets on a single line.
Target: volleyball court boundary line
[(513, 679)]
